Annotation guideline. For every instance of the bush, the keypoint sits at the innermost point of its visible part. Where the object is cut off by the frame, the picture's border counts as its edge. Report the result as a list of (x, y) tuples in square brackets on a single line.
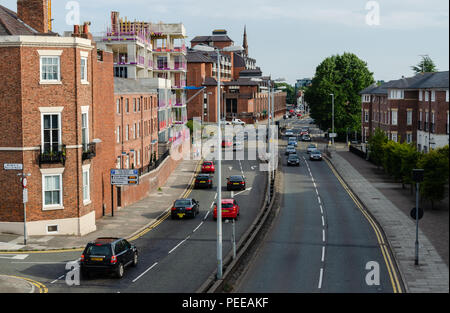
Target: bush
[(376, 147)]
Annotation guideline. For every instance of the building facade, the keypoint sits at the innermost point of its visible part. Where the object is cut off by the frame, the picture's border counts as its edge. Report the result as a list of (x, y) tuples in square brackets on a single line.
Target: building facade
[(57, 96)]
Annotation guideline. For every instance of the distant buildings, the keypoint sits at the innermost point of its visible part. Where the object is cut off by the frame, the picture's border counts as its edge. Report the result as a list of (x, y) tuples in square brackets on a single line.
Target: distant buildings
[(412, 110), (243, 84), (305, 82)]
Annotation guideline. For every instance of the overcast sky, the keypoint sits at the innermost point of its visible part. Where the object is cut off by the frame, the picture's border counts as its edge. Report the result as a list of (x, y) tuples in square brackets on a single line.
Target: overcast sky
[(289, 38)]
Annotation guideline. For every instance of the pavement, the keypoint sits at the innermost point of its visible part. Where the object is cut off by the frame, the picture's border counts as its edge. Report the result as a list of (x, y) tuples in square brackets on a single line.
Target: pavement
[(431, 275), (127, 222)]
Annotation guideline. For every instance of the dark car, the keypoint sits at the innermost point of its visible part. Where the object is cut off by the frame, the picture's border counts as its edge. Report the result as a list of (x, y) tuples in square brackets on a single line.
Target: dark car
[(236, 182), (203, 181), (108, 255), (315, 155), (185, 207), (293, 160), (306, 138)]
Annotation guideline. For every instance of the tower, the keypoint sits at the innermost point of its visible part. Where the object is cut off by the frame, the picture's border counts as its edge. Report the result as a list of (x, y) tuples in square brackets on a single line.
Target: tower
[(245, 44)]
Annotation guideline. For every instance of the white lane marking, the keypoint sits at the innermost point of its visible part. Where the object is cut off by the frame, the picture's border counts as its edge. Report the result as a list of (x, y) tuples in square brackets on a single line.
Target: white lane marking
[(60, 277), (248, 189), (212, 204), (323, 235), (215, 197), (323, 254), (207, 213), (323, 221), (317, 192), (179, 244), (14, 257), (198, 227), (151, 267), (321, 209), (321, 278), (232, 194), (318, 198), (315, 186)]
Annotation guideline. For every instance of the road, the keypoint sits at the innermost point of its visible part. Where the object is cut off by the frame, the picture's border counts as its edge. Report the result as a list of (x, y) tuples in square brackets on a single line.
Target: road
[(177, 256), (320, 241)]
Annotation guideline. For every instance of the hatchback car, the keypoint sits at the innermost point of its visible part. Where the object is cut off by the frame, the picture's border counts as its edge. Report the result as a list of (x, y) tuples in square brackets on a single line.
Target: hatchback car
[(306, 138), (315, 155), (311, 148), (185, 208), (293, 160), (292, 141), (203, 181), (208, 167), (236, 182), (230, 209), (289, 133), (290, 149), (108, 255)]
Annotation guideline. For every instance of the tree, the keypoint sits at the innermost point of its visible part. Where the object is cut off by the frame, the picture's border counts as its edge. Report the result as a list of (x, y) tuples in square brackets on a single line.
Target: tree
[(291, 97), (425, 66), (435, 165), (344, 76), (376, 142)]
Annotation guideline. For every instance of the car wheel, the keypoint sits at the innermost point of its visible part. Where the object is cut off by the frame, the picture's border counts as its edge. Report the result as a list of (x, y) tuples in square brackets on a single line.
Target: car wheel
[(120, 271), (135, 259)]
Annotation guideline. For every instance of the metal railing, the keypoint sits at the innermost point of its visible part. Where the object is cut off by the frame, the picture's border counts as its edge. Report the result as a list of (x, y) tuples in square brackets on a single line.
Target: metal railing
[(154, 164), (52, 155), (89, 151)]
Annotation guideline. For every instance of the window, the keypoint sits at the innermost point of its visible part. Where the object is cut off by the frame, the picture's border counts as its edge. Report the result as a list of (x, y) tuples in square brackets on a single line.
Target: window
[(84, 130), (127, 101), (420, 95), (394, 117), (433, 95), (447, 125), (446, 96), (127, 132), (408, 137), (427, 96), (409, 115), (51, 132), (396, 94), (84, 70), (118, 106), (86, 187), (138, 131), (52, 229), (134, 104), (118, 163), (52, 190), (118, 134), (394, 136), (50, 68), (139, 157), (366, 116)]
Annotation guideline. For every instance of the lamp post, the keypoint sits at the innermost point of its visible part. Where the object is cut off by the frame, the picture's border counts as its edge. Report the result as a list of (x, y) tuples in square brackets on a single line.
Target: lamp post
[(219, 154), (332, 105)]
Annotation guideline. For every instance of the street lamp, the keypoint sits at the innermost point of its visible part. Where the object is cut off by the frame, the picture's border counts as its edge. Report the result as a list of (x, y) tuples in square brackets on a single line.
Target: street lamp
[(332, 104), (219, 152)]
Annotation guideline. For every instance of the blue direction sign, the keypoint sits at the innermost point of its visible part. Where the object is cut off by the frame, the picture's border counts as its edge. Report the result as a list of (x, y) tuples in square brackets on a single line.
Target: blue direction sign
[(124, 177)]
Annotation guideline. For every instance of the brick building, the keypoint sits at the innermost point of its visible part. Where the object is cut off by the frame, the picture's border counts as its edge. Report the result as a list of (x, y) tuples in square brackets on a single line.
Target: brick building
[(57, 97), (242, 82), (413, 109)]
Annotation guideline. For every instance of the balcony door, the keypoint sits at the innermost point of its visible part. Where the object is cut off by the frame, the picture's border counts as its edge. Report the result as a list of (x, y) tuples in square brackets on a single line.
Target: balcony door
[(51, 132)]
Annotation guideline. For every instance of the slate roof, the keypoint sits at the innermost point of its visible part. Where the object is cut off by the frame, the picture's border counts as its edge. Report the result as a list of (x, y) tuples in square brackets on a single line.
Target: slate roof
[(11, 25), (198, 57), (131, 86), (435, 80), (213, 38)]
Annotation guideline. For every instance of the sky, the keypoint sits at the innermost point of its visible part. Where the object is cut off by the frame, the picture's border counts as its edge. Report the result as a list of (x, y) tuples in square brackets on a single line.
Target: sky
[(290, 38)]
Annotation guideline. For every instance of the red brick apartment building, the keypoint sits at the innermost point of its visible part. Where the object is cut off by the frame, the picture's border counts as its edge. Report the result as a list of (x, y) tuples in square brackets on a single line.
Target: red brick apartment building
[(414, 109), (242, 94), (57, 96)]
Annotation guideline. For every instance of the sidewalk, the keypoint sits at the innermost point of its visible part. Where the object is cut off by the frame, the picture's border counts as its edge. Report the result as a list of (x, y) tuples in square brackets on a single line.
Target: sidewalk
[(432, 274), (126, 222)]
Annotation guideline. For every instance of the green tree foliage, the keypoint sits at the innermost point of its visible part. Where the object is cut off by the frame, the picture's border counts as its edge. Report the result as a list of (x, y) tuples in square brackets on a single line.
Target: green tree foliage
[(435, 165), (425, 66), (376, 142), (391, 159), (344, 76), (291, 97), (409, 157)]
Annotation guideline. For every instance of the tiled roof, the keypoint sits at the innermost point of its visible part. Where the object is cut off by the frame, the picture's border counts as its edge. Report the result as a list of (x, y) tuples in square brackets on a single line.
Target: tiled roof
[(214, 38), (198, 57), (210, 81), (11, 25), (434, 80)]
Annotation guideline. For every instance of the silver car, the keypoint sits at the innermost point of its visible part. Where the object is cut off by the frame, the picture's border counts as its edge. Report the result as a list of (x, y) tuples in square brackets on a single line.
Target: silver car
[(311, 148)]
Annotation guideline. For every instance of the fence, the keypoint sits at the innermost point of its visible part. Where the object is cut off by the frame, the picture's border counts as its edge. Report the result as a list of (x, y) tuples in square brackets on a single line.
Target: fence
[(153, 166)]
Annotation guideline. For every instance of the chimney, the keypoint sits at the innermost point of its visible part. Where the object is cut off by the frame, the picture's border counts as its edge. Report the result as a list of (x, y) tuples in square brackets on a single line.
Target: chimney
[(35, 13)]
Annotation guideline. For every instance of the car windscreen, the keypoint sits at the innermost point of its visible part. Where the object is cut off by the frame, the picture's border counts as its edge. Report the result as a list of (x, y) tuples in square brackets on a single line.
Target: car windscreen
[(236, 178), (293, 157), (227, 205), (97, 249), (182, 203), (316, 152), (203, 177)]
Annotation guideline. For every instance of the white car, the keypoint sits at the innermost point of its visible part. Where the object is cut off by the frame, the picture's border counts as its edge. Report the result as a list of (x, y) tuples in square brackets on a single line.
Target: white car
[(292, 141), (311, 148), (225, 123), (238, 122), (289, 133)]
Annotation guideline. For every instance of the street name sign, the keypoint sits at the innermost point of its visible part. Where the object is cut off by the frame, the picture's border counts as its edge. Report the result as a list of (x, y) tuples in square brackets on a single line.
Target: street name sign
[(13, 167), (124, 177), (333, 135)]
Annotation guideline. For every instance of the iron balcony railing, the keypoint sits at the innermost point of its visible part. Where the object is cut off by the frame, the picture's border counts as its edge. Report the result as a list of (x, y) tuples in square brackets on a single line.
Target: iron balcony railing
[(52, 154), (89, 151), (154, 164)]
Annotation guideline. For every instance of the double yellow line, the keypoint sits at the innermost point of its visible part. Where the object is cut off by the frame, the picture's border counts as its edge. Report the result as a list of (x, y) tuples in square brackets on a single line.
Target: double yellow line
[(392, 270), (42, 288)]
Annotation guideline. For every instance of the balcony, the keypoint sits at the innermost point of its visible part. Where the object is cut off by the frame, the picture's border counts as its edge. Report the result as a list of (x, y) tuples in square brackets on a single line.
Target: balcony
[(180, 66), (425, 126), (432, 127), (52, 155), (89, 151)]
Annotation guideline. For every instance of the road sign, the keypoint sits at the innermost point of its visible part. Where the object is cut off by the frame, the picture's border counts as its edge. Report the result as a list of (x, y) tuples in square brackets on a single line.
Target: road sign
[(124, 177), (25, 195), (13, 167), (413, 213), (333, 135)]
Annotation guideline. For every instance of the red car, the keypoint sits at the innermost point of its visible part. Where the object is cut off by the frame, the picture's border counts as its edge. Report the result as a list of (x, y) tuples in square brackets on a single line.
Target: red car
[(230, 209), (227, 143), (208, 167)]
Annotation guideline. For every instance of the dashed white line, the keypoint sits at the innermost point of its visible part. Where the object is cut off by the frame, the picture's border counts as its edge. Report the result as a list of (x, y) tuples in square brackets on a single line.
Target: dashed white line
[(321, 209), (323, 235), (179, 244), (323, 221), (198, 227), (151, 267), (320, 278), (206, 216), (323, 254), (318, 198), (61, 277)]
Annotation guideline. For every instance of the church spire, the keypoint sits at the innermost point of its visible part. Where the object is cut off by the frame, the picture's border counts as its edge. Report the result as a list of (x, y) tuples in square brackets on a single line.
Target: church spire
[(245, 44)]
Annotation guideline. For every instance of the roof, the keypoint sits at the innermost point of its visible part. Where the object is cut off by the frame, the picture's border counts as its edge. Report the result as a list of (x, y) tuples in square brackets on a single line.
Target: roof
[(241, 82), (11, 25), (210, 81), (198, 57), (214, 38), (131, 86), (238, 60), (407, 82), (433, 80)]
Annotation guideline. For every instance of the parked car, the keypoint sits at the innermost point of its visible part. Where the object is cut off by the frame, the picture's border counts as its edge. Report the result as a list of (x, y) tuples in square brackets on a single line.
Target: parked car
[(311, 148), (293, 160), (237, 121), (306, 138), (290, 149), (292, 141), (108, 255), (203, 181), (289, 132), (208, 167), (185, 207), (315, 155), (236, 182), (230, 209)]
